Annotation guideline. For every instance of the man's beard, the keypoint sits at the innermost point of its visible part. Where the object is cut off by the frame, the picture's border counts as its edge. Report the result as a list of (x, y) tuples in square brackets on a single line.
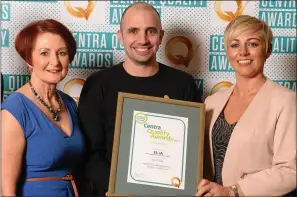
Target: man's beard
[(139, 62)]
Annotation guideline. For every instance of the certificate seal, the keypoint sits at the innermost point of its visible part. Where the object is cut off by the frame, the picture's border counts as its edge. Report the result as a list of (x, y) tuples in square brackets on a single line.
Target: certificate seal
[(140, 118), (176, 182)]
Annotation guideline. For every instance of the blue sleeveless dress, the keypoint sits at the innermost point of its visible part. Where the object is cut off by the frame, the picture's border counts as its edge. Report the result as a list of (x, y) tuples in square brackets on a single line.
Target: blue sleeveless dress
[(48, 152)]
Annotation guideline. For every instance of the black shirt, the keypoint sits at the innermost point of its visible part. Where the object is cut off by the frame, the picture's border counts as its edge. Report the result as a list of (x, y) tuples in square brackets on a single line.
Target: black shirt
[(97, 109)]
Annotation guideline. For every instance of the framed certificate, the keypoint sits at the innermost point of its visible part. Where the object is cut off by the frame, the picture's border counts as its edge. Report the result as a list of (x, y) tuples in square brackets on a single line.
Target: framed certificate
[(158, 147)]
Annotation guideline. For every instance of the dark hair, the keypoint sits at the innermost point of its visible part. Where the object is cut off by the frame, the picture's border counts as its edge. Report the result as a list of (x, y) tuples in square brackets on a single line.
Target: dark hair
[(25, 40), (134, 4)]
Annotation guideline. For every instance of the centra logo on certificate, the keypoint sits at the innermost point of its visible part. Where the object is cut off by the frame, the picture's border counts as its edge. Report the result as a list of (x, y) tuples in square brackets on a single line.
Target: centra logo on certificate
[(158, 150)]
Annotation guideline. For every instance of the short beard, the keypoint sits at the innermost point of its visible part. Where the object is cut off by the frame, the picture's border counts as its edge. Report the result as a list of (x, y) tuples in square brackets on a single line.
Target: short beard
[(141, 63)]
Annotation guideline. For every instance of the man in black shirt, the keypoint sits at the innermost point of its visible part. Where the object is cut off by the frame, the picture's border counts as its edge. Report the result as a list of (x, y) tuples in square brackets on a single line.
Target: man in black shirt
[(141, 35)]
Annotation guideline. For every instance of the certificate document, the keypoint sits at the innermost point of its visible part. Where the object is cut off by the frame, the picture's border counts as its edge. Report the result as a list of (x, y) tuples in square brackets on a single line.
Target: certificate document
[(158, 150)]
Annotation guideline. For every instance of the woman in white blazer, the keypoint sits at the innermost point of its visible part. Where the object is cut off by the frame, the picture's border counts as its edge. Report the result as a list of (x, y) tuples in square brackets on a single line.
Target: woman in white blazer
[(250, 127)]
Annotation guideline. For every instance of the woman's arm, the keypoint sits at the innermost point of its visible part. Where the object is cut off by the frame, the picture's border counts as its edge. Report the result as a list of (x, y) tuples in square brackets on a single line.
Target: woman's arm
[(13, 145), (280, 178)]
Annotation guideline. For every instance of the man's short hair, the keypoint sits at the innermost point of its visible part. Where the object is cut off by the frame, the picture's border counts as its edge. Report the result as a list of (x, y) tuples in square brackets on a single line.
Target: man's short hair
[(135, 4)]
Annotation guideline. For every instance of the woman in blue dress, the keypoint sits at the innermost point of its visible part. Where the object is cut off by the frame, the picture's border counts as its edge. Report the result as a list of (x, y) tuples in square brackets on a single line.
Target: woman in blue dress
[(41, 138)]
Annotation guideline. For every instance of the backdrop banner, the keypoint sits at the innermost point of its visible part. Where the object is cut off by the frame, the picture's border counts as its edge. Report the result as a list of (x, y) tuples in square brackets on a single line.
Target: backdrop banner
[(193, 40)]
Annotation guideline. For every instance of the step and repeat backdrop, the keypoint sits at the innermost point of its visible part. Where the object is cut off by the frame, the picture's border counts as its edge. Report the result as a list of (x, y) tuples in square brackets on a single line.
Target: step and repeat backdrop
[(193, 39)]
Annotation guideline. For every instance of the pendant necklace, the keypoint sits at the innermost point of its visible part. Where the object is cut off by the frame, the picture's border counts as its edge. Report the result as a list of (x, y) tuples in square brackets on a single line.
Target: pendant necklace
[(55, 113)]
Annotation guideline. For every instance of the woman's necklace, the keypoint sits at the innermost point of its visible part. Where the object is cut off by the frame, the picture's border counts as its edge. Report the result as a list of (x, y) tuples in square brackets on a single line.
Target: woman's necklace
[(54, 112)]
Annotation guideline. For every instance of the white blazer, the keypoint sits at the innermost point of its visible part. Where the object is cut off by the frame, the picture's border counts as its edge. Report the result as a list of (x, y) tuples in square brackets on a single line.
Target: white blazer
[(261, 154)]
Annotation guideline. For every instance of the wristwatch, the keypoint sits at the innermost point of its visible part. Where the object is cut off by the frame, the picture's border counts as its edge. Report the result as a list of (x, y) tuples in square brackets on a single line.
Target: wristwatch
[(235, 190)]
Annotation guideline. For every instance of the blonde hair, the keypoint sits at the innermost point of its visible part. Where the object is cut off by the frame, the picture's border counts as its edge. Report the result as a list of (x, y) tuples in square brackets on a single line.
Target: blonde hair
[(244, 23)]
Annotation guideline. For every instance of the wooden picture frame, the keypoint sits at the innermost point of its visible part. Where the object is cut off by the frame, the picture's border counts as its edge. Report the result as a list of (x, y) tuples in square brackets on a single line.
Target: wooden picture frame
[(191, 120)]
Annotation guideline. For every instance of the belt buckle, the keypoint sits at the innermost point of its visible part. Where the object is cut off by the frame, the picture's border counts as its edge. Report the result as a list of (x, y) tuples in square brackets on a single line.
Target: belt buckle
[(68, 177)]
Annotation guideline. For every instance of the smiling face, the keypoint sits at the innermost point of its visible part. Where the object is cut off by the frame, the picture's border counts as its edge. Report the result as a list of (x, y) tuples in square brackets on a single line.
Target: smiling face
[(247, 54), (50, 59), (141, 35)]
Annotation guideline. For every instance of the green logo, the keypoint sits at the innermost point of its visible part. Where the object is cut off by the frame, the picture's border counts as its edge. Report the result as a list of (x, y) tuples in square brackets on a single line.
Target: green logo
[(140, 118)]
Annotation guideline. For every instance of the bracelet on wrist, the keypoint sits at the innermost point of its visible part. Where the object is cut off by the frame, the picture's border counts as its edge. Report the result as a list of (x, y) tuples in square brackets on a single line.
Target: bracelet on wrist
[(235, 190)]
